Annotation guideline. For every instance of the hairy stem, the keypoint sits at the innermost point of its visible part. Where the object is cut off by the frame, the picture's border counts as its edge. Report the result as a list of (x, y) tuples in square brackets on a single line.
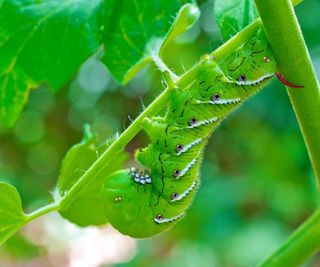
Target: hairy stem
[(163, 67), (294, 62), (302, 244)]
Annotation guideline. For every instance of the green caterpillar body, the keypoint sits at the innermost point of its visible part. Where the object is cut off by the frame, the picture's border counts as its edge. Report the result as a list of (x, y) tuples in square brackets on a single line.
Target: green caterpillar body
[(142, 204)]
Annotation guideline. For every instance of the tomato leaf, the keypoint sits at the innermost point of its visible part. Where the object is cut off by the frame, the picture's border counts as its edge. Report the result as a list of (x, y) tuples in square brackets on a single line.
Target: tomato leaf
[(234, 15), (87, 208), (47, 41), (12, 217), (136, 41)]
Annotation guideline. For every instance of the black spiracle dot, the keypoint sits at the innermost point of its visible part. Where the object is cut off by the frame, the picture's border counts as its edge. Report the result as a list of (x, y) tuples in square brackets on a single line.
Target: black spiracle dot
[(179, 147), (176, 173), (174, 196), (159, 217), (215, 97), (242, 78), (192, 121)]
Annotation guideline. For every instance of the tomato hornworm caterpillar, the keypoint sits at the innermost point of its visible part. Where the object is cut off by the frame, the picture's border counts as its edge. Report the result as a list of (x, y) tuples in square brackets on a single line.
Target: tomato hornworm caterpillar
[(142, 204)]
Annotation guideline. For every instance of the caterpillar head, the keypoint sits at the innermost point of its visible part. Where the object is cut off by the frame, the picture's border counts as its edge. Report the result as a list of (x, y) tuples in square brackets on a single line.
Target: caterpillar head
[(126, 209), (251, 64)]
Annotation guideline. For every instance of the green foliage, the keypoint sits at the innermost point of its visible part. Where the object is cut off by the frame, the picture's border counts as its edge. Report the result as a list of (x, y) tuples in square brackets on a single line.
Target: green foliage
[(57, 60), (40, 50), (45, 50), (20, 248), (12, 217), (87, 208), (186, 17), (256, 180), (233, 16), (132, 42)]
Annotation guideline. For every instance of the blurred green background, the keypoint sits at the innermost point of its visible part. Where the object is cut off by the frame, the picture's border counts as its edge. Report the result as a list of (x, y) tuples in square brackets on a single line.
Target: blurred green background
[(257, 184)]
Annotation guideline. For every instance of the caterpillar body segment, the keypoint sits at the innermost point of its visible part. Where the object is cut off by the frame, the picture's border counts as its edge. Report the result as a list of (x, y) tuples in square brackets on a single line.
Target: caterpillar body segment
[(143, 204)]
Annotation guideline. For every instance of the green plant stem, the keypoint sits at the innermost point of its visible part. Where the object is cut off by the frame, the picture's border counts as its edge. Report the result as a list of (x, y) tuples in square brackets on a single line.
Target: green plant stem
[(302, 244), (294, 63), (163, 67), (44, 210)]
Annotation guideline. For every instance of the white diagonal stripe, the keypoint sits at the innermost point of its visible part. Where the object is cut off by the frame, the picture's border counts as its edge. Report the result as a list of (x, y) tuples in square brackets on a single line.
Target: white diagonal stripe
[(188, 167), (164, 220), (188, 146), (220, 101), (185, 193), (255, 82), (200, 123)]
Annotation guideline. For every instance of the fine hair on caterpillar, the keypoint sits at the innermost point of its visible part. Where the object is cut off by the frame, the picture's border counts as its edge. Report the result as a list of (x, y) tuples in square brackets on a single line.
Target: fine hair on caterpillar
[(143, 203)]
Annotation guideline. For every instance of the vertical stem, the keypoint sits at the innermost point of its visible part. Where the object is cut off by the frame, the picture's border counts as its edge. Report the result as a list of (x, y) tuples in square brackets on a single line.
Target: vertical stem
[(294, 63), (302, 244)]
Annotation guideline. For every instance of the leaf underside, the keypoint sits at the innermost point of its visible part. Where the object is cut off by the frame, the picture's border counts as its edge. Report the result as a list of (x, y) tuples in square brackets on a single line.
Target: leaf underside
[(234, 15), (88, 207), (12, 217), (47, 41)]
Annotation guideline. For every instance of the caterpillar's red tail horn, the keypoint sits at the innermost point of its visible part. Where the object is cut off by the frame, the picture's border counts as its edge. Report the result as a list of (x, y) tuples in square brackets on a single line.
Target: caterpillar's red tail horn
[(287, 83)]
